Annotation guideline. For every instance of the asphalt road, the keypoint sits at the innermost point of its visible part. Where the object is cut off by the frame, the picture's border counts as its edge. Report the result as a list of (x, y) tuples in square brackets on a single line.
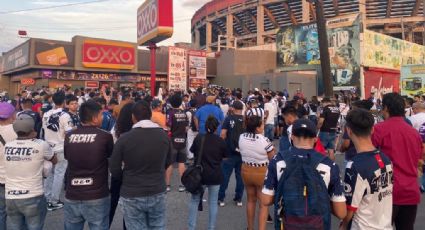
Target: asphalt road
[(229, 217)]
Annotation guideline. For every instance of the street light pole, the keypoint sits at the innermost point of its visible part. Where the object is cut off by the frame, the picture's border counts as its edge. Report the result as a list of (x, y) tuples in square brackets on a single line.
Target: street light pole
[(323, 47)]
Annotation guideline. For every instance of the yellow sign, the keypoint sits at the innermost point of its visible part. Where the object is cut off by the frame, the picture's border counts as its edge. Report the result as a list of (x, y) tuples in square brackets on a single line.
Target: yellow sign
[(384, 51)]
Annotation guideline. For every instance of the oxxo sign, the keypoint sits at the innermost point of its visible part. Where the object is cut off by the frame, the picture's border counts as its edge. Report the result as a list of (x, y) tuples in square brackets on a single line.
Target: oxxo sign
[(107, 54), (154, 21)]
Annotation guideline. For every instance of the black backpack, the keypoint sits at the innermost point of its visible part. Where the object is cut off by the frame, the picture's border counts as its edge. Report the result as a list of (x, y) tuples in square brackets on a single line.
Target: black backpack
[(53, 121), (237, 128), (192, 177)]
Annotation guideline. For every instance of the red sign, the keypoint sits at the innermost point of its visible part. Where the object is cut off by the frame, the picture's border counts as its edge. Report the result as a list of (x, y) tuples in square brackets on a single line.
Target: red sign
[(381, 82), (154, 21), (91, 84), (27, 81), (107, 54)]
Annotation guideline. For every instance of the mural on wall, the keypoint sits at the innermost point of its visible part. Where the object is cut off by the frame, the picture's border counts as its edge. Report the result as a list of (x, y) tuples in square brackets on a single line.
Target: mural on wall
[(391, 53), (298, 45), (344, 51), (412, 80)]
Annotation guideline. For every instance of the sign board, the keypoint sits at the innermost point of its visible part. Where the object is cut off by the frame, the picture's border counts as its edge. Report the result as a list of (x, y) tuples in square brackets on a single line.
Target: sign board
[(380, 82), (91, 84), (412, 80), (344, 51), (87, 76), (17, 57), (384, 51), (298, 45), (27, 81), (108, 54), (154, 21), (54, 53), (177, 72), (197, 68)]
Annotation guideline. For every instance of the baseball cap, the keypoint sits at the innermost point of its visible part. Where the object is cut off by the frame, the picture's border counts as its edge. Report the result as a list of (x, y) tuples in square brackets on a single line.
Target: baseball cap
[(303, 125), (23, 123), (6, 110), (155, 103), (237, 105)]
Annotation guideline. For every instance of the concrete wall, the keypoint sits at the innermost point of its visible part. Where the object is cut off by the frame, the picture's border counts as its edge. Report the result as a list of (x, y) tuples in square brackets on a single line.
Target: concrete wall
[(244, 62)]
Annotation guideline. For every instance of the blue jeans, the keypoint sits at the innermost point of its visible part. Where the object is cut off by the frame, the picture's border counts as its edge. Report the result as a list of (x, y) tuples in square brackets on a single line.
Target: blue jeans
[(284, 143), (27, 213), (144, 212), (212, 205), (227, 166), (2, 208), (95, 212), (269, 131), (327, 139), (423, 180)]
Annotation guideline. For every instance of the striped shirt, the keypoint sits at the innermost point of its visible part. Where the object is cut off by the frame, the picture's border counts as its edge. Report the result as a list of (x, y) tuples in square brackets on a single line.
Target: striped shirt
[(255, 112)]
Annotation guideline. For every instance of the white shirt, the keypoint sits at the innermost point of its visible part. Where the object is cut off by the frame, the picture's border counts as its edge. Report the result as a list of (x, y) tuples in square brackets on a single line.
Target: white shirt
[(24, 167), (8, 135), (254, 148), (225, 109), (256, 112), (56, 139), (417, 120), (272, 113)]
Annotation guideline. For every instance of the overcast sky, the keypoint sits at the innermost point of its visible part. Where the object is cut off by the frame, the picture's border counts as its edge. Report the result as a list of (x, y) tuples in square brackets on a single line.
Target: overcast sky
[(112, 19)]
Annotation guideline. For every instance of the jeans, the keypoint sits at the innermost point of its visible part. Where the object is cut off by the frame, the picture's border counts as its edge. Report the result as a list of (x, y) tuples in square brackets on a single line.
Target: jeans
[(95, 212), (212, 205), (144, 212), (27, 213), (227, 166), (269, 131), (54, 182), (284, 143), (190, 138), (327, 139), (2, 208)]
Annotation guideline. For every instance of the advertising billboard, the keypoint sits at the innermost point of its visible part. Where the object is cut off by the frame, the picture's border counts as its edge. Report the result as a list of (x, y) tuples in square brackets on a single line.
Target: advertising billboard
[(177, 72), (154, 21), (17, 57), (412, 80), (380, 82), (344, 51), (197, 68), (108, 54), (54, 53), (298, 45), (388, 52)]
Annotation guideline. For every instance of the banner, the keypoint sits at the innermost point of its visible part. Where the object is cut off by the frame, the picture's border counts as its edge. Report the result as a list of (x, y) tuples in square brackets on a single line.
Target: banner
[(17, 57), (388, 52), (177, 72), (380, 82), (412, 80), (298, 45), (54, 53), (197, 68), (87, 76), (344, 51)]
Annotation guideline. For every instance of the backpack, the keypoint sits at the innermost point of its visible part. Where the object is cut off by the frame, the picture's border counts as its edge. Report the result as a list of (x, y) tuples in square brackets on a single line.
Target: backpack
[(301, 199), (53, 121), (237, 129), (192, 176)]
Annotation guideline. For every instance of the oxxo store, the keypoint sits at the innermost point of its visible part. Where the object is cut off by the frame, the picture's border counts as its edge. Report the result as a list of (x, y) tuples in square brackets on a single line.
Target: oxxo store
[(84, 62)]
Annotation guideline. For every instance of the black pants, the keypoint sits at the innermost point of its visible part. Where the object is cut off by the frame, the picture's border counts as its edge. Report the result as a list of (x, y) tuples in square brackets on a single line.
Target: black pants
[(115, 197), (404, 216)]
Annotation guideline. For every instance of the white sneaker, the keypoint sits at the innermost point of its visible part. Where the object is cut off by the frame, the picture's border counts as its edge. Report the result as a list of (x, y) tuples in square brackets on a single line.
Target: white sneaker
[(168, 188), (239, 203), (221, 203)]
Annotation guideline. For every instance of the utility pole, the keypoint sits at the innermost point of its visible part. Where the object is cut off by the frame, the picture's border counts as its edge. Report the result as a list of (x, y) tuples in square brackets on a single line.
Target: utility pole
[(324, 49)]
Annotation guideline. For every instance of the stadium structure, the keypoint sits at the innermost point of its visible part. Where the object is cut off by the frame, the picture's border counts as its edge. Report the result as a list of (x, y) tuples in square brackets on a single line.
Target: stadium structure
[(253, 23)]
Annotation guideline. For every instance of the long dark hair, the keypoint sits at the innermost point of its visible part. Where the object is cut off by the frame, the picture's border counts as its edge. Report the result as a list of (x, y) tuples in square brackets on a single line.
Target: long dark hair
[(211, 124), (124, 121)]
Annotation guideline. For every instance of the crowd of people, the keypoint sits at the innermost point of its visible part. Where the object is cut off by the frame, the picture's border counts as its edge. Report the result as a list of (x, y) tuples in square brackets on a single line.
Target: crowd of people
[(103, 148)]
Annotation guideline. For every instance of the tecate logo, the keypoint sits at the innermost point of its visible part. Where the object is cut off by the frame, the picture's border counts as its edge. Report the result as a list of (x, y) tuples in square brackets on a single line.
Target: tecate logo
[(147, 19), (106, 54)]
